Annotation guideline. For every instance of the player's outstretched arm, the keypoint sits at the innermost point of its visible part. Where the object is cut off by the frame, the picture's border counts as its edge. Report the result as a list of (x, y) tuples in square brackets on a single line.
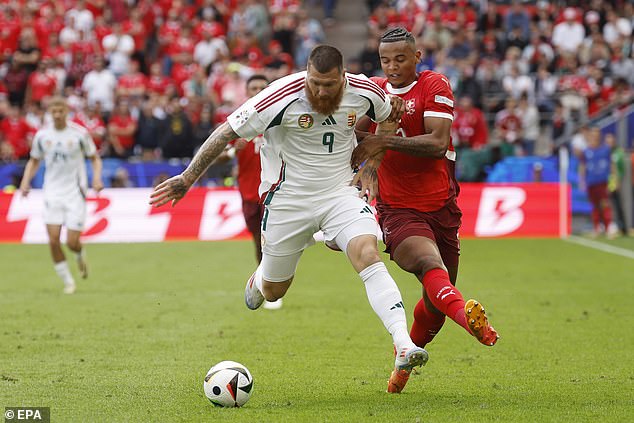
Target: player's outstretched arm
[(29, 172), (433, 144), (177, 186), (97, 182)]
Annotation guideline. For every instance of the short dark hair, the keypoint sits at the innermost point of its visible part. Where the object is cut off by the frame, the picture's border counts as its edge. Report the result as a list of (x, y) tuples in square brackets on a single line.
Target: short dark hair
[(257, 77), (325, 58), (398, 34)]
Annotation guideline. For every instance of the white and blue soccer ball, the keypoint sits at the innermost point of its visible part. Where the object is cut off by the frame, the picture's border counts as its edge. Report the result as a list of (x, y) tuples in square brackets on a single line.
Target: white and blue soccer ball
[(228, 384)]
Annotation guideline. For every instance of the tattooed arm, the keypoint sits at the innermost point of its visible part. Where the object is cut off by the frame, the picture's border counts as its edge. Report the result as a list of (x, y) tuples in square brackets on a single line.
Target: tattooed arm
[(433, 144), (177, 186)]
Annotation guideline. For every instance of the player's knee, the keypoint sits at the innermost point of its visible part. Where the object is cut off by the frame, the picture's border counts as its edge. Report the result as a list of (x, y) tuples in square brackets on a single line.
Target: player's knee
[(74, 244), (55, 243), (363, 252), (424, 264)]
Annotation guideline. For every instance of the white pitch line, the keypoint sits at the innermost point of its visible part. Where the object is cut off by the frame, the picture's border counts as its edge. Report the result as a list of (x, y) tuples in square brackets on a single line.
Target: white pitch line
[(600, 246)]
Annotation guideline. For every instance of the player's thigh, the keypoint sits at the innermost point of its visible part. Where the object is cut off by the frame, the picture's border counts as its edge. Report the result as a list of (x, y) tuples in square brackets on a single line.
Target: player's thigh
[(75, 213), (418, 255), (287, 230), (345, 218), (54, 211), (54, 232), (279, 269)]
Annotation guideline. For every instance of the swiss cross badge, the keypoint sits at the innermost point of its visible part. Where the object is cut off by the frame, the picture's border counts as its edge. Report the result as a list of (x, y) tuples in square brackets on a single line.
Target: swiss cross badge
[(410, 106), (352, 119)]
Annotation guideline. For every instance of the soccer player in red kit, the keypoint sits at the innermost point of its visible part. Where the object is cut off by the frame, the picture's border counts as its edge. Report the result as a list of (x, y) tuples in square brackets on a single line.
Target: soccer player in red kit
[(417, 192)]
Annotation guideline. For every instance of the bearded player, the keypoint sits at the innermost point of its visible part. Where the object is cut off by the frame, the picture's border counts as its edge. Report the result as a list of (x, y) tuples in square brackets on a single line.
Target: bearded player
[(417, 193)]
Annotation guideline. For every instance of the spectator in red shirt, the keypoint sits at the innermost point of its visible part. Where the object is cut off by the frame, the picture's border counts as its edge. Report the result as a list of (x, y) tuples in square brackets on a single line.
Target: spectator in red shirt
[(136, 28), (469, 125), (133, 83), (181, 50), (16, 133), (121, 129), (91, 120), (41, 83), (508, 125), (157, 82)]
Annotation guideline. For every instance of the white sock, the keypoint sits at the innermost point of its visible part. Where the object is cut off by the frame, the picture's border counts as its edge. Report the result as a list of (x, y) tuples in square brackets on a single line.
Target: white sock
[(387, 303), (80, 254), (64, 272)]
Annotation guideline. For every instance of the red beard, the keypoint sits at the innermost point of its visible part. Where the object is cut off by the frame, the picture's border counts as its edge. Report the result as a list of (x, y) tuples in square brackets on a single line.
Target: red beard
[(325, 106)]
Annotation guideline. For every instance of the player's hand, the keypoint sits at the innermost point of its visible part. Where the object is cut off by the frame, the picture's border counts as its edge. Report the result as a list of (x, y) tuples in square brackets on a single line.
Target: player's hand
[(367, 179), (239, 144), (24, 190), (371, 147), (172, 190), (398, 108), (97, 185)]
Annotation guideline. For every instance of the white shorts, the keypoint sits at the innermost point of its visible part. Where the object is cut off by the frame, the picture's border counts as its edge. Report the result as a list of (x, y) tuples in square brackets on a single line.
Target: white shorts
[(288, 226), (69, 211)]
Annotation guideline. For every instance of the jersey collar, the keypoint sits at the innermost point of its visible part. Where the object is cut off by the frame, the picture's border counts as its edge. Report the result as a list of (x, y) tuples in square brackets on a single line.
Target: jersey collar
[(403, 90)]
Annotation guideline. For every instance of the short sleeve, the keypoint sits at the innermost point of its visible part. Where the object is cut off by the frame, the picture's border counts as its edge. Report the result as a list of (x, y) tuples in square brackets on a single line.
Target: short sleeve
[(439, 101), (37, 147), (246, 121), (259, 112), (88, 145), (380, 106)]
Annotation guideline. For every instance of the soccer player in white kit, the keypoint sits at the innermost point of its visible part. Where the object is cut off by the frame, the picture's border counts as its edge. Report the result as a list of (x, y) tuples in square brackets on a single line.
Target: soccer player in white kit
[(308, 119), (64, 147)]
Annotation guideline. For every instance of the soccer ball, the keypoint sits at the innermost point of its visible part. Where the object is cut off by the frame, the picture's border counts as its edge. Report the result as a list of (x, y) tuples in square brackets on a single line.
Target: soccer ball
[(228, 384)]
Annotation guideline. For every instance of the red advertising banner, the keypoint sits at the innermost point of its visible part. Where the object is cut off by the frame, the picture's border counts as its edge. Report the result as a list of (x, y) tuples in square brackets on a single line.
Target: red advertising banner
[(124, 215)]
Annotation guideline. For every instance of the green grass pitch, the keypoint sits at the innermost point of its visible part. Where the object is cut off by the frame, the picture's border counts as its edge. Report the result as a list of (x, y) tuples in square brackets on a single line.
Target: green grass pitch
[(135, 341)]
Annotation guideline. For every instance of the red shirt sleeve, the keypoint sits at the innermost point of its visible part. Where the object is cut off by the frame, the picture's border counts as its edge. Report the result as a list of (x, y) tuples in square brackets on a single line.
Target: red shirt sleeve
[(439, 101)]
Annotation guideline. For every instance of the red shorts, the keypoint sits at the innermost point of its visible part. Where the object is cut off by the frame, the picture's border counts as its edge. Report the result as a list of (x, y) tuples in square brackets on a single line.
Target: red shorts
[(598, 194), (441, 226), (253, 211)]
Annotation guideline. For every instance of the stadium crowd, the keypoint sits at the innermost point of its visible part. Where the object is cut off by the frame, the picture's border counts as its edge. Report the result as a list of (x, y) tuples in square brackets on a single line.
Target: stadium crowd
[(151, 79)]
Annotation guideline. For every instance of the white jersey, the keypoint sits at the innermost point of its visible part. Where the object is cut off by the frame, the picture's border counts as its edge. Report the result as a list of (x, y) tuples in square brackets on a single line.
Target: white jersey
[(307, 153), (64, 154)]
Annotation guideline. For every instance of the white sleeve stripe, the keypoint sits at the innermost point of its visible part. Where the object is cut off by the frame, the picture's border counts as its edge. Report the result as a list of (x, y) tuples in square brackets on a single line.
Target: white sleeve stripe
[(439, 115)]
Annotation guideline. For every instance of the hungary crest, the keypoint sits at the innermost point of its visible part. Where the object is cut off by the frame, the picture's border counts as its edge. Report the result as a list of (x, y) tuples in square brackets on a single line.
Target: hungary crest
[(305, 121)]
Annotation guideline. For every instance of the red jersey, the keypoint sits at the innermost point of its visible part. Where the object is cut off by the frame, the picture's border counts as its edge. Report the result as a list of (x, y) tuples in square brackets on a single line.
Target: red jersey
[(133, 81), (95, 126), (16, 132), (249, 169), (158, 84), (421, 183), (471, 129), (42, 85), (120, 122)]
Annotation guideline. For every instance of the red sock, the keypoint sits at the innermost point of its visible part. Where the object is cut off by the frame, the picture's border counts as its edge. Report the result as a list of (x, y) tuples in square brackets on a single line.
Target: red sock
[(426, 324), (444, 296)]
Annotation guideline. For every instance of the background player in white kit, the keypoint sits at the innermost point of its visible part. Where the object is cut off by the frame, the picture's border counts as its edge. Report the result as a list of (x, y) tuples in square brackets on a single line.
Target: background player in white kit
[(64, 147), (308, 120)]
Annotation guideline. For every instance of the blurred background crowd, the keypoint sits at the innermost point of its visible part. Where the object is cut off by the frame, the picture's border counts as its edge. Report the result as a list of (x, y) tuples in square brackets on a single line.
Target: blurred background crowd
[(150, 79)]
